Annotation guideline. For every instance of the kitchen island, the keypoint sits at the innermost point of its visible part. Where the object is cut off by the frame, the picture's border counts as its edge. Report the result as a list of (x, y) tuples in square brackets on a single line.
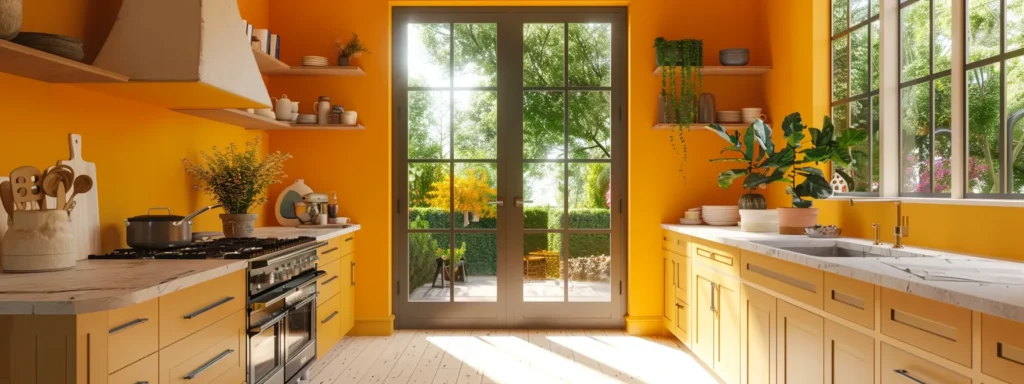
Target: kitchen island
[(128, 321)]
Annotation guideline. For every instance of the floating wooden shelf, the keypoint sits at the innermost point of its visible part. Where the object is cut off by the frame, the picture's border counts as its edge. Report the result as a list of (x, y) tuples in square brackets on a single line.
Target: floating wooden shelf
[(259, 123), (23, 61), (724, 70), (273, 67), (695, 127)]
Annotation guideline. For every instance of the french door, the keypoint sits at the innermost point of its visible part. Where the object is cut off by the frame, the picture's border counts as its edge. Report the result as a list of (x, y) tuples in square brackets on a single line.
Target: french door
[(509, 167)]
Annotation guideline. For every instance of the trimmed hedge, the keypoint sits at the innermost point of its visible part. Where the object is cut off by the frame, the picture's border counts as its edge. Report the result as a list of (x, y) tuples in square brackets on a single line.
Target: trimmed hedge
[(482, 249)]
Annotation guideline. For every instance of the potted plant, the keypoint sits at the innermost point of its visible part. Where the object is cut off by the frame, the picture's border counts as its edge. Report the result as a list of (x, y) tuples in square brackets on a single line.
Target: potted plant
[(824, 146), (238, 180), (347, 51), (681, 81), (762, 165), (452, 257)]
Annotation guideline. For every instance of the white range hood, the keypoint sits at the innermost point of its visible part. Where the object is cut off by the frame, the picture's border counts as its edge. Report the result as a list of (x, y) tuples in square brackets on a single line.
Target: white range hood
[(183, 54)]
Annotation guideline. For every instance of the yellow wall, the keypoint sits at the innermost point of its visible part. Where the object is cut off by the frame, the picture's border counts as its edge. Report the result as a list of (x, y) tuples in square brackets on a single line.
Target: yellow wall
[(137, 148)]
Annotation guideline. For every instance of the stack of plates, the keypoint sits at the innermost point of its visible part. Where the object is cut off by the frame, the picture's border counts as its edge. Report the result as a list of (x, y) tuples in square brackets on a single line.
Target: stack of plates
[(306, 119), (751, 114), (727, 116), (692, 217), (721, 214), (314, 61)]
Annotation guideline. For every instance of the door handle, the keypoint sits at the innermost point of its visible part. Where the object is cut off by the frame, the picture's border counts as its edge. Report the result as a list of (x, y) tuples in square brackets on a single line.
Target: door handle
[(714, 287), (520, 202), (500, 202)]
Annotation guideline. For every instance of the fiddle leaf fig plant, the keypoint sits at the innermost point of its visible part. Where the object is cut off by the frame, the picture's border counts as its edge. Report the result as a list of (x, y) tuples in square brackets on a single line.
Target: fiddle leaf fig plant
[(762, 164), (824, 146)]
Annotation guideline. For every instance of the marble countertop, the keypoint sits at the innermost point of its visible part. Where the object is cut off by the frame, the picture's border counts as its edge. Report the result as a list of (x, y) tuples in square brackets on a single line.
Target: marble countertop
[(100, 285), (998, 299)]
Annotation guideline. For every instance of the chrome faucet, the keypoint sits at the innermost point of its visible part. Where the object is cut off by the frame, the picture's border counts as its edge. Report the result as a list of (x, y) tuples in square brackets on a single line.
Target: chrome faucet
[(902, 228)]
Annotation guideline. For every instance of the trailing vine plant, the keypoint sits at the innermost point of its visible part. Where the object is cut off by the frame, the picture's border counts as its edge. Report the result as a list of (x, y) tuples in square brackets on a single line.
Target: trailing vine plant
[(681, 82)]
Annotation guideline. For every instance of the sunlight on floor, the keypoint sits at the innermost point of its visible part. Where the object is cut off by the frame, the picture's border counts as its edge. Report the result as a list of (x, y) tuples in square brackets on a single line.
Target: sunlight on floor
[(509, 356)]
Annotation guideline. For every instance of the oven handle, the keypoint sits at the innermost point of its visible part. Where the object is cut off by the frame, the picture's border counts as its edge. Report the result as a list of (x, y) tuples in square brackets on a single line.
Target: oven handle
[(304, 301), (257, 305), (278, 259), (267, 324)]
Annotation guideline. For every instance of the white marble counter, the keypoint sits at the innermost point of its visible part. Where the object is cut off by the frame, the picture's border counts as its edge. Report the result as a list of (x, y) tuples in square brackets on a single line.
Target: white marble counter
[(321, 234), (1003, 300), (100, 285)]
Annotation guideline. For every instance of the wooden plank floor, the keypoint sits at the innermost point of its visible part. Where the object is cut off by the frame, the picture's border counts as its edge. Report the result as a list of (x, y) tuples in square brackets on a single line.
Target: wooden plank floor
[(508, 356)]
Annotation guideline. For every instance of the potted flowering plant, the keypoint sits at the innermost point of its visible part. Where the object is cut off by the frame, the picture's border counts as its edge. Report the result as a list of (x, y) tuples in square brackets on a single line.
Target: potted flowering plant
[(444, 259), (238, 180)]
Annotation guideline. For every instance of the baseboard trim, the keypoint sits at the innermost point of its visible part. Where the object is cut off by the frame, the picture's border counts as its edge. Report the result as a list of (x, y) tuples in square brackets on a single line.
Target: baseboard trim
[(644, 325), (374, 326)]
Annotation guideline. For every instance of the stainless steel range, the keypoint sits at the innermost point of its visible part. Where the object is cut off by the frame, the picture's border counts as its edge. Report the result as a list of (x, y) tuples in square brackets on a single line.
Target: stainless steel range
[(282, 299)]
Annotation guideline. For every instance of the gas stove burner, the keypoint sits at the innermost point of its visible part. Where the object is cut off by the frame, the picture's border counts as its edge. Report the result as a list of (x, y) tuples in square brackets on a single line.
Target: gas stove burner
[(232, 249)]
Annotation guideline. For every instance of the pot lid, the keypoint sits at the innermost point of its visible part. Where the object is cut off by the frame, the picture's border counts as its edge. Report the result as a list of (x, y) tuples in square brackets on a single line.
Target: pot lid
[(149, 216)]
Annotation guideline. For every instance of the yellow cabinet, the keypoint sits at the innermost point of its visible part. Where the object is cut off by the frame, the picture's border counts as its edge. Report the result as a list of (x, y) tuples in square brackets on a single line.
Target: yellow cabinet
[(676, 294), (143, 371), (716, 325), (900, 367), (940, 328), (185, 312), (801, 354), (669, 291), (132, 334), (328, 325), (347, 293), (758, 335), (330, 283), (1002, 349), (216, 354), (850, 299), (792, 280), (849, 355)]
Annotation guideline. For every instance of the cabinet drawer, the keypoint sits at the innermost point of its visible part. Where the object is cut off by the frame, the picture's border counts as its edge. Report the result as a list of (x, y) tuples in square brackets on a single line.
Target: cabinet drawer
[(721, 257), (850, 299), (674, 242), (337, 247), (132, 335), (185, 312), (901, 367), (328, 325), (215, 354), (795, 281), (1002, 349), (330, 283), (142, 371), (940, 328)]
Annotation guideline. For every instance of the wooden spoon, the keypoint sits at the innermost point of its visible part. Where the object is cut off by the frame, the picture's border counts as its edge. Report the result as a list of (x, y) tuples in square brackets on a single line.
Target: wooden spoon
[(83, 184), (7, 197)]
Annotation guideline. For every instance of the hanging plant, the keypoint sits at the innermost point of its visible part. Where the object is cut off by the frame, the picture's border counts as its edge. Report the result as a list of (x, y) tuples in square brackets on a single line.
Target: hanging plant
[(681, 82)]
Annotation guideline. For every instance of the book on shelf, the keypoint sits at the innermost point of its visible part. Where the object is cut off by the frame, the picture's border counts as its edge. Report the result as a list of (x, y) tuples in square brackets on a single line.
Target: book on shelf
[(275, 46), (263, 35)]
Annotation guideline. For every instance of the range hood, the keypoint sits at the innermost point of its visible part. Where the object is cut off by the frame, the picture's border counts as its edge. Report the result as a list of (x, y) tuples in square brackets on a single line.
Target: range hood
[(183, 54)]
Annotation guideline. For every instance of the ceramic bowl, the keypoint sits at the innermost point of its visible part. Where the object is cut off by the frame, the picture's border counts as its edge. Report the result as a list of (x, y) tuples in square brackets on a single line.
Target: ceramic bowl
[(266, 112), (823, 231), (64, 46), (734, 56), (306, 119)]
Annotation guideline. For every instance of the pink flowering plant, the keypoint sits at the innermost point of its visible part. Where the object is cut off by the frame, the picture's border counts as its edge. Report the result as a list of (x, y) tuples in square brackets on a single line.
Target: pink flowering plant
[(238, 180)]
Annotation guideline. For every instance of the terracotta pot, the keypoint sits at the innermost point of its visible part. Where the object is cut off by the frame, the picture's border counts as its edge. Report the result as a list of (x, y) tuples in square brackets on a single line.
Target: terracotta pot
[(239, 225), (10, 19), (344, 61), (753, 201), (792, 221)]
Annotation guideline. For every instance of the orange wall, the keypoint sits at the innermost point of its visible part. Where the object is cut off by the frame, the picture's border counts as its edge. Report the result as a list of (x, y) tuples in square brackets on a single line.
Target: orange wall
[(137, 148)]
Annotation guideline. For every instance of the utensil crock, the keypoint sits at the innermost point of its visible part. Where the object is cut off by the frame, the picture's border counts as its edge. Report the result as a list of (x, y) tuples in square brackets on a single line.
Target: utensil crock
[(39, 241)]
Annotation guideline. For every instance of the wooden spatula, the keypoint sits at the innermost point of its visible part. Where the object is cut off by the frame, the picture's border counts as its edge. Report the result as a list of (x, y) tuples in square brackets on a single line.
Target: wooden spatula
[(7, 197), (27, 183)]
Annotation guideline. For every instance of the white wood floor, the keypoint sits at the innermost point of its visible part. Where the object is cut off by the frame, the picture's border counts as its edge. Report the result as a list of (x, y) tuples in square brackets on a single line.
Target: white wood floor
[(508, 356)]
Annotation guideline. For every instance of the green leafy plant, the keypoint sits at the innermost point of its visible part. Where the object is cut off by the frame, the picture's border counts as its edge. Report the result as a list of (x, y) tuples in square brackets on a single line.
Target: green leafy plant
[(444, 254), (352, 48), (238, 179), (824, 145), (681, 81), (763, 165)]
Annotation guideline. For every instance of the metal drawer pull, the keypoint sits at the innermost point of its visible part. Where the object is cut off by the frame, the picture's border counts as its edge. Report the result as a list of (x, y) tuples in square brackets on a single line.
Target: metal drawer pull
[(904, 373), (852, 301), (349, 239), (208, 307), (785, 279), (713, 288), (923, 324), (127, 325), (208, 364), (329, 317), (352, 274), (328, 281), (335, 249), (1010, 353), (141, 382)]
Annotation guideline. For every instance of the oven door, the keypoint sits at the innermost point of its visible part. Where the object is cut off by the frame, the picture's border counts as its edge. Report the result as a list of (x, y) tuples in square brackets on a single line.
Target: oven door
[(300, 334), (266, 350)]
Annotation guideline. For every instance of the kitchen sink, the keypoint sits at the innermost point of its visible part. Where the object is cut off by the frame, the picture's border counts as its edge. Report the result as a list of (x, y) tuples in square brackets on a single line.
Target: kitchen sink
[(834, 248)]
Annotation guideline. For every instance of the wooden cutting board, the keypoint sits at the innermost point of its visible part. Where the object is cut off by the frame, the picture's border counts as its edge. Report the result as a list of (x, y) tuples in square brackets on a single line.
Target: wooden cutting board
[(3, 216), (85, 219)]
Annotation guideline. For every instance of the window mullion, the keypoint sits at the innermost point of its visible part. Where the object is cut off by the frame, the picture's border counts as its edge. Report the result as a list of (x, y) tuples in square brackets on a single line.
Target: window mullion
[(958, 116), (888, 94)]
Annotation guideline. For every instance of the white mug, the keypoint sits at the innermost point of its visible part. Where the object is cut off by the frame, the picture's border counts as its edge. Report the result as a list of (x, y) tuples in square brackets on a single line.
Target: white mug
[(349, 118)]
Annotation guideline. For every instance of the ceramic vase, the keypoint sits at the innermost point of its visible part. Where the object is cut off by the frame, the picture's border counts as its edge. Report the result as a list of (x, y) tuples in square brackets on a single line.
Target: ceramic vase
[(239, 225), (706, 112), (10, 19), (793, 221), (39, 241)]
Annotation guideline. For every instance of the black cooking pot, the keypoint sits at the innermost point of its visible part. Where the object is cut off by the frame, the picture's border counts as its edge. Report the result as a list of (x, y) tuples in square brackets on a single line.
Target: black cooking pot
[(161, 231)]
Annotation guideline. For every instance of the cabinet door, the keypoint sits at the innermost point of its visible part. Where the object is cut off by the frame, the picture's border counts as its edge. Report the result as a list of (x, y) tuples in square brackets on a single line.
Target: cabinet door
[(347, 293), (703, 328), (682, 265), (727, 347), (801, 346), (757, 337), (849, 356), (900, 367), (669, 289)]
